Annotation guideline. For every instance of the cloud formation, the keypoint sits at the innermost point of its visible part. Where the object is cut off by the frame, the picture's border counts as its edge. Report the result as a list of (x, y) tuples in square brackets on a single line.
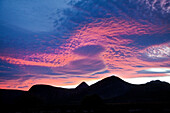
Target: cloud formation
[(89, 40), (89, 50)]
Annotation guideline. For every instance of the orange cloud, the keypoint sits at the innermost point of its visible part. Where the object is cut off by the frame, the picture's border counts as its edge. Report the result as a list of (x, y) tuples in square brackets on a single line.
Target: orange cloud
[(48, 60), (117, 56), (106, 33)]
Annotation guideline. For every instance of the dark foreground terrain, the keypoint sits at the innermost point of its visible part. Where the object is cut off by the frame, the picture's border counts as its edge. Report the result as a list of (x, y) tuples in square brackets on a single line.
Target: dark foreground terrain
[(108, 108), (110, 95)]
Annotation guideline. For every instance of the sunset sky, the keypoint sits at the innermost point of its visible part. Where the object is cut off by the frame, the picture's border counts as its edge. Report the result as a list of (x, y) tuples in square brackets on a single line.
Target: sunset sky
[(65, 42)]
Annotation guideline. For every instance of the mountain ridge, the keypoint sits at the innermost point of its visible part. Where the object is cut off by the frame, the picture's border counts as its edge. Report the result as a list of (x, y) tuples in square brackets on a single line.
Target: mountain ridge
[(82, 85), (110, 90)]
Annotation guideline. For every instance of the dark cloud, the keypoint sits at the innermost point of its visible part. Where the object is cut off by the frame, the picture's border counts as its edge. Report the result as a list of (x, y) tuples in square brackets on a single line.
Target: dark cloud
[(138, 66), (150, 72), (119, 52), (88, 65), (20, 73), (8, 76), (13, 76), (114, 67), (77, 76), (52, 73), (78, 67), (89, 50), (69, 82), (9, 71), (101, 72), (78, 72), (37, 69), (143, 41), (87, 11), (10, 68), (23, 86), (165, 65), (62, 77), (26, 77), (13, 69)]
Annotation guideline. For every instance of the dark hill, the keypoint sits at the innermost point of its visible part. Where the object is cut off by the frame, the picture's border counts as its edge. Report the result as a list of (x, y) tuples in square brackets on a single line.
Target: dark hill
[(82, 86), (110, 87), (9, 97), (154, 91), (109, 90), (50, 94)]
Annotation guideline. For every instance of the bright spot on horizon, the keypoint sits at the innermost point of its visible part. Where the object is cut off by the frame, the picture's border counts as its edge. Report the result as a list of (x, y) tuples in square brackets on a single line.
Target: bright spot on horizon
[(143, 80), (158, 70)]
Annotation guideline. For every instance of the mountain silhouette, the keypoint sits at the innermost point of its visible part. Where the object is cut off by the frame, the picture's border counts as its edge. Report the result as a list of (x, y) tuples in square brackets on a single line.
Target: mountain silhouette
[(50, 94), (8, 97), (109, 90), (110, 87), (151, 91), (82, 86)]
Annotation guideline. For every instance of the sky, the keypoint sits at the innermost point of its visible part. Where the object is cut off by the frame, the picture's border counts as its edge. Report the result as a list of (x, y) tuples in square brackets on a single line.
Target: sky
[(65, 42)]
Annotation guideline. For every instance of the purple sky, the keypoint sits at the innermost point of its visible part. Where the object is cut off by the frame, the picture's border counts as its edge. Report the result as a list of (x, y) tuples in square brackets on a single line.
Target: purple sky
[(65, 42)]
